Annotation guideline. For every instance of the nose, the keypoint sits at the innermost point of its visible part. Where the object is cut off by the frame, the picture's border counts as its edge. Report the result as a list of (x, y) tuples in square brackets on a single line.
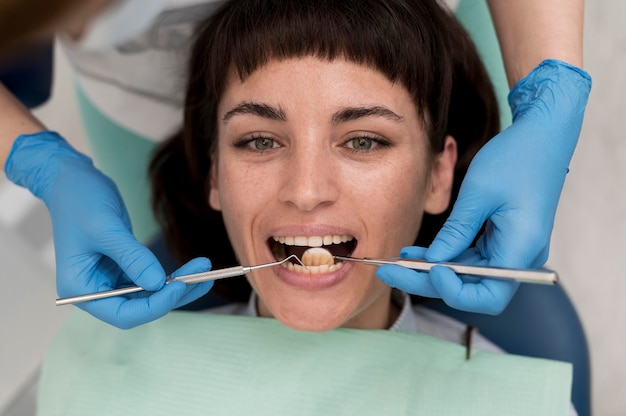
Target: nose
[(310, 179)]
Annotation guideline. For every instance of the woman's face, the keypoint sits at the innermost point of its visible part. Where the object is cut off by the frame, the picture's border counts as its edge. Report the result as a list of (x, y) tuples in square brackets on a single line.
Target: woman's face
[(323, 153)]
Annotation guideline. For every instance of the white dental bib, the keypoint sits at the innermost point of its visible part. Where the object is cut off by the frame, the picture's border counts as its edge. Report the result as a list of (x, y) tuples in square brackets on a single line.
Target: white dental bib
[(194, 363)]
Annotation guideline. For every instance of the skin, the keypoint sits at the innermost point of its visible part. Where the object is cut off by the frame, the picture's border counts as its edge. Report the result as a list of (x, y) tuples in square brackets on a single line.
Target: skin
[(19, 121), (299, 173), (530, 31)]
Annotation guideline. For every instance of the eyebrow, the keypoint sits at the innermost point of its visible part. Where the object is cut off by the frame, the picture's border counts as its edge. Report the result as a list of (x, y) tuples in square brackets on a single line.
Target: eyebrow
[(342, 116), (354, 113), (257, 109)]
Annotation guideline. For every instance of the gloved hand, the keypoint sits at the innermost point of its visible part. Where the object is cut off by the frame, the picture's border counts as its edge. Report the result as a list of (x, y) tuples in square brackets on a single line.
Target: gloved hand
[(513, 184), (94, 246)]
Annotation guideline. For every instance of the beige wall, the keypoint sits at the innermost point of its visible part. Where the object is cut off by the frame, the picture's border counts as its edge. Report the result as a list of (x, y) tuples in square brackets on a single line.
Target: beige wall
[(589, 241)]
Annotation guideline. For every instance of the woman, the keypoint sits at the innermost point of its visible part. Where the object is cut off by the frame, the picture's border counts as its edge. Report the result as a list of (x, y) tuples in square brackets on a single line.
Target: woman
[(299, 131)]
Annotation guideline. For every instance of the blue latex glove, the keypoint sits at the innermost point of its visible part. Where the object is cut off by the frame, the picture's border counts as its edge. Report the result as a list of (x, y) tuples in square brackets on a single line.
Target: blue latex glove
[(94, 246), (513, 184)]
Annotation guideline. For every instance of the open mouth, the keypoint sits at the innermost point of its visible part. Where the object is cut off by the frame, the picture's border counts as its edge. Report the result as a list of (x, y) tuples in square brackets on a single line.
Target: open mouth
[(316, 252)]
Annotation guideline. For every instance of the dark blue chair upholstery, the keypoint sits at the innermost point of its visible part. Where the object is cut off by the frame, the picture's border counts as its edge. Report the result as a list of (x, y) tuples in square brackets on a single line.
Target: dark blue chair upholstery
[(28, 73)]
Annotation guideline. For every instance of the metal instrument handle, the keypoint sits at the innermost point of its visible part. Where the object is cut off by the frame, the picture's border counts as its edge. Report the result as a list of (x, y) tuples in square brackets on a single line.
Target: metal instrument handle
[(188, 279), (544, 276), (541, 276)]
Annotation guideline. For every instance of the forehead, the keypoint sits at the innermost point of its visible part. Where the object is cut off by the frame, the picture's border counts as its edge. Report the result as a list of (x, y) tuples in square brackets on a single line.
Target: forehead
[(315, 81)]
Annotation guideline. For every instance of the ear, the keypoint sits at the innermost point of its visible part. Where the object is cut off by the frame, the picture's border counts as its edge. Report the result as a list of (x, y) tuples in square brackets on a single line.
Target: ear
[(441, 178), (214, 192)]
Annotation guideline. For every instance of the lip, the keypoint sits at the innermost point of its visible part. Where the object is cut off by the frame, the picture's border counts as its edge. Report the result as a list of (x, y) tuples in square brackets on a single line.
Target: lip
[(320, 281), (304, 281)]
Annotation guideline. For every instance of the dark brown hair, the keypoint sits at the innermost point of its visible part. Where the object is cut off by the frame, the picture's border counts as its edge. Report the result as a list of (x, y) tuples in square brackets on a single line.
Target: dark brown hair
[(415, 43)]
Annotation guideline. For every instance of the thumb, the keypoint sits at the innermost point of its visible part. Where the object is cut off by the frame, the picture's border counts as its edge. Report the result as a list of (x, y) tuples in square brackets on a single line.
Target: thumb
[(459, 230), (136, 261)]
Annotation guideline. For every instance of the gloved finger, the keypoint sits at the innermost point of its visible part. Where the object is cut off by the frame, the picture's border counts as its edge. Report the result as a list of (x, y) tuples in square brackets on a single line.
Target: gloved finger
[(488, 296), (407, 280), (87, 273), (460, 229), (413, 252), (136, 261), (471, 256), (193, 266), (193, 292), (196, 290), (127, 313), (529, 249)]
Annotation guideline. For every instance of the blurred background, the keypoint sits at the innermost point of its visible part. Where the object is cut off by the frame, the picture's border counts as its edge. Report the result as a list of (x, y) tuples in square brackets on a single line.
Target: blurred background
[(589, 238), (588, 241)]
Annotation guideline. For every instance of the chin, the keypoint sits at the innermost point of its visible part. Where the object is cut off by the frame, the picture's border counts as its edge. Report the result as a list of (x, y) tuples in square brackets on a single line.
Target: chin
[(310, 321), (309, 325)]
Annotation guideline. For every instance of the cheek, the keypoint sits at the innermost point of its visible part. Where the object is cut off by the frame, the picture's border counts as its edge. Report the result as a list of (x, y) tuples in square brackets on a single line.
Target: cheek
[(235, 207), (395, 203), (245, 197), (240, 188)]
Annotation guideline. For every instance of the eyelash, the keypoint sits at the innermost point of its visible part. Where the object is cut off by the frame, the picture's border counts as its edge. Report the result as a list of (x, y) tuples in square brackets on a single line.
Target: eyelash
[(247, 143), (378, 143)]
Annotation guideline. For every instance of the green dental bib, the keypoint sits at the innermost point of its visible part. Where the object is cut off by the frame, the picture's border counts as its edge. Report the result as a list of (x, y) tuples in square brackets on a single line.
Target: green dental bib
[(202, 364)]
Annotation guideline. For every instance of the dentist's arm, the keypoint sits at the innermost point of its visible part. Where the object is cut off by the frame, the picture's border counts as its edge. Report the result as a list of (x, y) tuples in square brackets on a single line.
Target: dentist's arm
[(95, 249), (16, 120), (514, 183), (530, 31)]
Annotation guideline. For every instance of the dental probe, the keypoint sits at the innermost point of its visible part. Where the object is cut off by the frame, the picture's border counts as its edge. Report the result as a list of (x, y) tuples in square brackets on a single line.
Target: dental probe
[(542, 276), (189, 279)]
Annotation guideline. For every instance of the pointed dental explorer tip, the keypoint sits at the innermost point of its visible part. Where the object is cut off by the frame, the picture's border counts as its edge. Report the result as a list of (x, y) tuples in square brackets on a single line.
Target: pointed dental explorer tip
[(276, 263), (188, 279), (293, 256), (539, 276)]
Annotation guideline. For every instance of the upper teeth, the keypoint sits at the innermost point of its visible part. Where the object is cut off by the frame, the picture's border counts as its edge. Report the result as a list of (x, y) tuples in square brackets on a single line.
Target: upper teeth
[(313, 241)]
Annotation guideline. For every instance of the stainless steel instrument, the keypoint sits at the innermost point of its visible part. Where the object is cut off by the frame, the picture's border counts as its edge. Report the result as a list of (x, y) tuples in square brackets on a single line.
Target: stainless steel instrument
[(541, 276), (191, 278)]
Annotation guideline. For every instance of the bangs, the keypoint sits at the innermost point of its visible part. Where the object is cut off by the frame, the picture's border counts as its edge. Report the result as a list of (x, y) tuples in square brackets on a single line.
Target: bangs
[(366, 32)]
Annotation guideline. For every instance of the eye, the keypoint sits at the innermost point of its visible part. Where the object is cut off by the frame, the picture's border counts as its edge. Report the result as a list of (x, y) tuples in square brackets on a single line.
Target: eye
[(364, 143), (263, 143), (258, 143)]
